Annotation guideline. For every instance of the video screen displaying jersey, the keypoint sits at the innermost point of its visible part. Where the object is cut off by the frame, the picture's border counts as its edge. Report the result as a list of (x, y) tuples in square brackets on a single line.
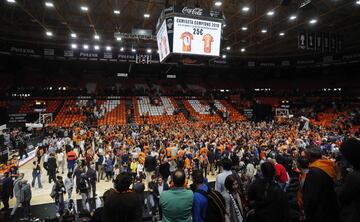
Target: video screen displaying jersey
[(198, 37), (163, 42)]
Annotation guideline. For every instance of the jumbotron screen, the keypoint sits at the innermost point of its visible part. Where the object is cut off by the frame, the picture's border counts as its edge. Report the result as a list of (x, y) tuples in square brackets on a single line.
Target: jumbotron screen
[(163, 42), (197, 37)]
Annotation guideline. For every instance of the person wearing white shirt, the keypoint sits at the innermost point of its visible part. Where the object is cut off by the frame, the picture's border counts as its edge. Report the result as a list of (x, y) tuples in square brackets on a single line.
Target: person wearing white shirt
[(140, 170), (60, 160), (220, 178)]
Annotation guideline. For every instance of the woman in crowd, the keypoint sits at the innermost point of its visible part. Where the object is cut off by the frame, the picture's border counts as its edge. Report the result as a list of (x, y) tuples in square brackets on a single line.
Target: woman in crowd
[(234, 208)]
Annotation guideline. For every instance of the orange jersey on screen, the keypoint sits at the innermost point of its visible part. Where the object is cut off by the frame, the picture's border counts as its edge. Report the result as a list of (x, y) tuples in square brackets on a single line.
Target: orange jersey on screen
[(208, 39), (186, 37)]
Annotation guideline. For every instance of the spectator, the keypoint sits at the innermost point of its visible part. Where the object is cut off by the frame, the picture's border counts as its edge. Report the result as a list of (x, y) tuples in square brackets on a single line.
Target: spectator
[(152, 197), (84, 190), (281, 176), (176, 204), (36, 174), (133, 167), (320, 203), (71, 158), (149, 166), (220, 178), (69, 185), (266, 198), (52, 167), (17, 193), (350, 191), (139, 188), (25, 198), (122, 204), (234, 208), (200, 197), (6, 190), (57, 193), (91, 175), (60, 160)]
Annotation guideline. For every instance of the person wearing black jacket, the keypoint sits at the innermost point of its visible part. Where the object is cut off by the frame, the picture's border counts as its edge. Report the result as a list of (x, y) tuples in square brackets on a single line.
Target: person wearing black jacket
[(319, 197), (164, 169), (150, 166), (122, 204), (52, 166), (6, 191), (266, 197), (152, 196), (91, 175), (350, 191)]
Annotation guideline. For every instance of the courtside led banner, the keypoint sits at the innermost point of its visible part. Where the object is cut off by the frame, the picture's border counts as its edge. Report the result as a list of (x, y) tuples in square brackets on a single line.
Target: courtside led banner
[(163, 42), (198, 37)]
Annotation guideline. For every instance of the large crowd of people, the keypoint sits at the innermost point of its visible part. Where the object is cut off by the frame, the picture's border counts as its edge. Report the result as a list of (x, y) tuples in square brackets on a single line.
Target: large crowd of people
[(265, 171)]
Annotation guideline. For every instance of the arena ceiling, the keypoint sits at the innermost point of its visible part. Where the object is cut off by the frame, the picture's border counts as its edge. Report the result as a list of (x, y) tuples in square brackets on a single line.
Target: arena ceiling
[(53, 22)]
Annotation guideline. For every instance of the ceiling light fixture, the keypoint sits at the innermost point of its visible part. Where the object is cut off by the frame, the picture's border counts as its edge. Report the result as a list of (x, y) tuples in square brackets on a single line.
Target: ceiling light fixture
[(122, 49), (244, 28), (228, 48), (84, 8), (116, 12), (224, 56), (148, 50), (243, 50), (118, 38), (358, 2), (73, 46), (133, 50), (293, 17), (245, 9), (313, 21), (270, 13), (49, 4), (86, 47), (108, 48), (281, 33), (11, 1), (218, 3), (146, 15), (263, 31), (97, 37), (48, 33), (96, 47), (73, 35)]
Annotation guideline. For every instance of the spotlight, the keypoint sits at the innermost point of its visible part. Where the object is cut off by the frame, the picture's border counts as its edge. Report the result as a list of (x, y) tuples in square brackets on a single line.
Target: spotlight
[(97, 37), (244, 28), (224, 56), (108, 48), (148, 50), (146, 15), (313, 21), (263, 31), (281, 33), (133, 50), (48, 33), (49, 4), (122, 49), (270, 13), (118, 38), (228, 48), (73, 46), (243, 50), (293, 17), (96, 47), (73, 35), (245, 9), (357, 2), (84, 8), (11, 1), (116, 12), (86, 47), (218, 3)]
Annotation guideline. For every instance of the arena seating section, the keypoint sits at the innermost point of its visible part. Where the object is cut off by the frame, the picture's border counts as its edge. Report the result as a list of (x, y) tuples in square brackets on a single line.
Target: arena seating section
[(115, 112), (155, 114), (233, 113), (200, 110)]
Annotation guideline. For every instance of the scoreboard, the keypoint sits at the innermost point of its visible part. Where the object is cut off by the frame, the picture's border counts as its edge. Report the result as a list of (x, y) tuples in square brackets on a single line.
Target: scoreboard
[(184, 32)]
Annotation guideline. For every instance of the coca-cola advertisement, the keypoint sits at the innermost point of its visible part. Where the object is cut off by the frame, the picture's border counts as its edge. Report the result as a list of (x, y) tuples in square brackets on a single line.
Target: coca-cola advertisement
[(193, 11)]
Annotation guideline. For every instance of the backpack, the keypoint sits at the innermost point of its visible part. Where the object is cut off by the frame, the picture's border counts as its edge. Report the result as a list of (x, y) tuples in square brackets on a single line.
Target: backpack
[(216, 209)]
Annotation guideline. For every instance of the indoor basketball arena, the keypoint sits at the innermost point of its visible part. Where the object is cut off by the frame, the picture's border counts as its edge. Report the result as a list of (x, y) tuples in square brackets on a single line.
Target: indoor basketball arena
[(180, 110)]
